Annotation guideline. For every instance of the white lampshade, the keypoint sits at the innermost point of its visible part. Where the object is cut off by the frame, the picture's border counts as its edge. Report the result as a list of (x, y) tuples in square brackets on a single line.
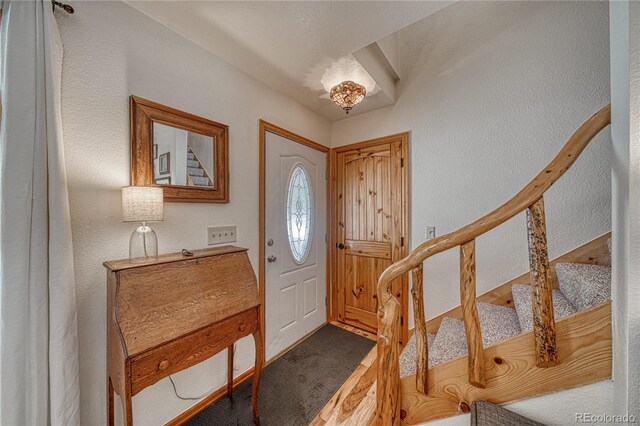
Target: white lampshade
[(142, 204)]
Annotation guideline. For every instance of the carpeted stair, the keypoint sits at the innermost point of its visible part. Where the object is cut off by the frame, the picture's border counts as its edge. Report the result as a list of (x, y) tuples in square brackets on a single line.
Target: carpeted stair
[(562, 307), (582, 286), (195, 170)]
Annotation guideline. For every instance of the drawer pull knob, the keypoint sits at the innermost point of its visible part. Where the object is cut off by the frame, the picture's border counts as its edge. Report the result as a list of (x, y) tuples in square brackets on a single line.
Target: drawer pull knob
[(163, 365), (243, 327)]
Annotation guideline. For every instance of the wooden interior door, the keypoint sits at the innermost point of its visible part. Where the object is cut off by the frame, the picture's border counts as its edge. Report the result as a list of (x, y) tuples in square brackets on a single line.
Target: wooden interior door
[(371, 219)]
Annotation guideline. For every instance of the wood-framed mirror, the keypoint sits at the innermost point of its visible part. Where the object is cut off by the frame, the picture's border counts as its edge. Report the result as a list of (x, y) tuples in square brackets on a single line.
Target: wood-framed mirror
[(185, 154)]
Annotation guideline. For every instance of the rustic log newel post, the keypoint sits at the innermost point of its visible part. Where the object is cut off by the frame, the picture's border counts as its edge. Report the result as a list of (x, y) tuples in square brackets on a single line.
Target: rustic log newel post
[(470, 313), (388, 355), (544, 325), (422, 350)]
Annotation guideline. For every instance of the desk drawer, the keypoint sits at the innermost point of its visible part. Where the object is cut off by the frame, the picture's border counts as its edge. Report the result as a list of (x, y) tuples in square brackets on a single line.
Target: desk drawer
[(186, 351)]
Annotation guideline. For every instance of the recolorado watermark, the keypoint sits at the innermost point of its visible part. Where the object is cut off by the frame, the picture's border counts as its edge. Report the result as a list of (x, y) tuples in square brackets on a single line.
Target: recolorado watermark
[(605, 418)]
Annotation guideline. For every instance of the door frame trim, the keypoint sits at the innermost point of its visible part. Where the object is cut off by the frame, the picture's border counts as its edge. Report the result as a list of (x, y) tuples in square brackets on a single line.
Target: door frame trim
[(265, 126), (404, 139)]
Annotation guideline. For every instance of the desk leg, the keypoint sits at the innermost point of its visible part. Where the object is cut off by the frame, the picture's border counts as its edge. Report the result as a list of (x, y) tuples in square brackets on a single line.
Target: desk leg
[(230, 372), (126, 405), (127, 409), (110, 408), (257, 336)]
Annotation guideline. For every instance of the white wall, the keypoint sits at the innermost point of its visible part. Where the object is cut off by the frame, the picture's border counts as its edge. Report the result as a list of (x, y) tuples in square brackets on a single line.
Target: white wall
[(625, 97), (619, 38), (483, 125), (112, 51), (633, 291)]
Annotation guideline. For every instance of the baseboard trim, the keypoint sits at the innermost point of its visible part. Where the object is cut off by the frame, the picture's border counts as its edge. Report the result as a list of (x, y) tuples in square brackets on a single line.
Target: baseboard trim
[(208, 400), (360, 332)]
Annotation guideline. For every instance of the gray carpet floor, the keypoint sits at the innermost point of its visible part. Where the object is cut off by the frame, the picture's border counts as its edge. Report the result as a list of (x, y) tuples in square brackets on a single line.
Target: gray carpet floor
[(295, 387)]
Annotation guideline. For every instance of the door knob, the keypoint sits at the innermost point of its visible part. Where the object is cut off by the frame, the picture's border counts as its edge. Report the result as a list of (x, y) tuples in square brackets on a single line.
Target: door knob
[(271, 259), (341, 246)]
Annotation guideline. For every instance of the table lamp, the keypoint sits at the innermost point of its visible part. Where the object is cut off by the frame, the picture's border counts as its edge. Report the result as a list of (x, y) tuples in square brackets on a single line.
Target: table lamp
[(142, 204)]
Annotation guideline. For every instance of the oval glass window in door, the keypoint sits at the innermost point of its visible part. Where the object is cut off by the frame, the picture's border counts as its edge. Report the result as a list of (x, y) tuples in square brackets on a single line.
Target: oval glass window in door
[(299, 212)]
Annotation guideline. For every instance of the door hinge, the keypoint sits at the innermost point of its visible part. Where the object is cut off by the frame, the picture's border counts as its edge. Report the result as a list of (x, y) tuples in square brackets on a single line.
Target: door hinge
[(401, 241), (325, 301), (325, 238), (326, 174), (401, 320), (401, 162)]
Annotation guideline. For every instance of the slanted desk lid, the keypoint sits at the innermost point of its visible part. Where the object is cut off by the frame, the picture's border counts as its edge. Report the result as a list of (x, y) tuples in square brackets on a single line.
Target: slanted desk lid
[(118, 265), (163, 301)]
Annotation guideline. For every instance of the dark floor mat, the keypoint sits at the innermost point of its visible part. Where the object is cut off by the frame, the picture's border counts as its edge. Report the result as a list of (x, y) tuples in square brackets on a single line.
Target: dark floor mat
[(484, 413), (295, 387)]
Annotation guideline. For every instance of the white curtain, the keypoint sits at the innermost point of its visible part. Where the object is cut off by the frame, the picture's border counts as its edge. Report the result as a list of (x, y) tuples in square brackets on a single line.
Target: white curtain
[(38, 334)]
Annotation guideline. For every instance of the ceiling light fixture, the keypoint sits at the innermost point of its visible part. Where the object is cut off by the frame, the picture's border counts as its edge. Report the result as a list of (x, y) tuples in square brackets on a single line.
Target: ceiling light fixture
[(347, 94)]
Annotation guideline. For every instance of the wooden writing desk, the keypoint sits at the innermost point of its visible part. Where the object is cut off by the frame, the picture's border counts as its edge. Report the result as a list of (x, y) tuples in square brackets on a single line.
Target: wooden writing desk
[(169, 313)]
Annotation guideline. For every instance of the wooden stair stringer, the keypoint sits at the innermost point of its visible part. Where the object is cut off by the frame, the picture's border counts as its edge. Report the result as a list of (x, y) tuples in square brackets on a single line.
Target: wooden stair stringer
[(585, 353)]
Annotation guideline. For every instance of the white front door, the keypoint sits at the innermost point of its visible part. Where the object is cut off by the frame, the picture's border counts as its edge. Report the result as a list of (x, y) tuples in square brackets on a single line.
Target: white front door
[(295, 242)]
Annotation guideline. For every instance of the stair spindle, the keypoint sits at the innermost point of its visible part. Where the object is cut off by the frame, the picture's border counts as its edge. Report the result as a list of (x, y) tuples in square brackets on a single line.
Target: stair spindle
[(422, 350), (470, 315), (544, 326)]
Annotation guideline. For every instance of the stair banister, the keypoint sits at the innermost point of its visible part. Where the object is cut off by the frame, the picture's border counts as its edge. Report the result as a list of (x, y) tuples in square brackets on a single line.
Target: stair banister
[(388, 350), (544, 324), (470, 315), (422, 350)]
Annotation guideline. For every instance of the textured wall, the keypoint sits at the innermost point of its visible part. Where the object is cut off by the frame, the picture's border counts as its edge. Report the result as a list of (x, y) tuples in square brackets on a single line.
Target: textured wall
[(112, 51), (625, 100), (619, 39), (482, 125), (633, 293)]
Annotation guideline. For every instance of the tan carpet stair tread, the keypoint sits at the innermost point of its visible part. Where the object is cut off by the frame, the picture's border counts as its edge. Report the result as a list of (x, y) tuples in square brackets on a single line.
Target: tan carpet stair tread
[(522, 299), (582, 286), (497, 323)]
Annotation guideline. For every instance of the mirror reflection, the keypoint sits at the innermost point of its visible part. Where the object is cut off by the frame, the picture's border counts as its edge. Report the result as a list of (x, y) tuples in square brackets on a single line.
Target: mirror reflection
[(182, 157)]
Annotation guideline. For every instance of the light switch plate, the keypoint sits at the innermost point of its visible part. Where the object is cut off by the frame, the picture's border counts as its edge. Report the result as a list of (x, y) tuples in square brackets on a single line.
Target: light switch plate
[(221, 234), (430, 232)]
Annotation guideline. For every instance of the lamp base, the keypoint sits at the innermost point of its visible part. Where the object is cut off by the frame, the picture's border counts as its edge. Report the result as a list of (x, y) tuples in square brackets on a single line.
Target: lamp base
[(143, 243)]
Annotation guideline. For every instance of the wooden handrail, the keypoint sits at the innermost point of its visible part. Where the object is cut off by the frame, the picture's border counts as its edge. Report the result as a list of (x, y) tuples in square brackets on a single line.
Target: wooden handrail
[(388, 378)]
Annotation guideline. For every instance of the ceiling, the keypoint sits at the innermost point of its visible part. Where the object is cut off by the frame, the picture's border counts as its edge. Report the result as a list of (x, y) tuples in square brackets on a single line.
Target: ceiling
[(455, 36), (298, 48)]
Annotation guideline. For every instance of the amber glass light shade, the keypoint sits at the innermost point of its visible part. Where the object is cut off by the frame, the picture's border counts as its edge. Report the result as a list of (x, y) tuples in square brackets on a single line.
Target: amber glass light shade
[(347, 95)]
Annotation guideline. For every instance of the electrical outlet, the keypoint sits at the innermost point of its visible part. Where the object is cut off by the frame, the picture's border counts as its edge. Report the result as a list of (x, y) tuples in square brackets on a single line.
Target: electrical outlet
[(221, 234), (430, 232)]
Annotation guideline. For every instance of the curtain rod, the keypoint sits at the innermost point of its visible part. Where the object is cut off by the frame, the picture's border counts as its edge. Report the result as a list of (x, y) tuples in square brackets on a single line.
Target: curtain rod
[(63, 6)]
